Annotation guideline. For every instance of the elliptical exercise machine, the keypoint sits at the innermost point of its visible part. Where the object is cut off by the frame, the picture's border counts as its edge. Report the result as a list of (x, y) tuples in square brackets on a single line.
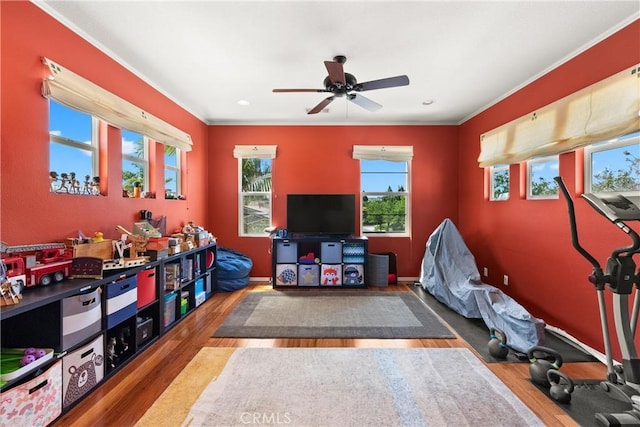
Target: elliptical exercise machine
[(623, 382)]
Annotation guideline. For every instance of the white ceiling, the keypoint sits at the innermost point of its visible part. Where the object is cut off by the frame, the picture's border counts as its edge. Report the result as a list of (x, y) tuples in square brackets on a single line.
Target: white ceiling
[(465, 56)]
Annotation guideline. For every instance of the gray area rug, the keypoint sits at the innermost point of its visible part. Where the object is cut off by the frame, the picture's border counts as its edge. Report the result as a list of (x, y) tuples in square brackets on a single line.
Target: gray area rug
[(358, 387), (341, 314)]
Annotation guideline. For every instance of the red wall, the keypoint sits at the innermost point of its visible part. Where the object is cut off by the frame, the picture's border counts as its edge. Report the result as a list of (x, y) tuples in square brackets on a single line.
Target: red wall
[(318, 159), (530, 240), (29, 213)]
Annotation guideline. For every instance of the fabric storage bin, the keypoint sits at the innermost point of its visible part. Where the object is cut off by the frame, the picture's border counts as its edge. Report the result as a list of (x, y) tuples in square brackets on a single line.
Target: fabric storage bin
[(36, 402), (169, 313), (81, 318), (286, 275), (82, 370), (353, 253), (353, 274), (146, 287), (331, 275), (308, 275), (331, 252), (144, 330), (122, 298), (286, 252)]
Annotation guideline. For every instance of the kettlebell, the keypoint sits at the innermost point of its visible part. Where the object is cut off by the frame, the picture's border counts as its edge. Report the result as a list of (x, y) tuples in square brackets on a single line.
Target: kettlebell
[(538, 366), (498, 343), (561, 386)]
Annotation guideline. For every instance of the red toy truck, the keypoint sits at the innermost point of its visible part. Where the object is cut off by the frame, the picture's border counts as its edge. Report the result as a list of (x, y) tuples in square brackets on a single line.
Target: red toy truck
[(39, 267)]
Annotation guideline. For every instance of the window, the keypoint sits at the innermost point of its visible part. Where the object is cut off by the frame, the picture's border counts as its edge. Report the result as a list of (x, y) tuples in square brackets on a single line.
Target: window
[(613, 166), (385, 196), (135, 164), (254, 188), (255, 196), (499, 182), (540, 183), (73, 151), (172, 187)]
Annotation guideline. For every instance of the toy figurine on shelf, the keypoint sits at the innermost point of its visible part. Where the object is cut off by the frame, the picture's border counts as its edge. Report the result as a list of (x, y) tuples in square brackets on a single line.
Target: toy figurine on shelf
[(9, 294), (137, 245)]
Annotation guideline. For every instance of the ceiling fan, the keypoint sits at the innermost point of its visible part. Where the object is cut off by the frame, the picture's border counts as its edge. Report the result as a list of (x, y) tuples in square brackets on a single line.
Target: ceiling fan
[(342, 84)]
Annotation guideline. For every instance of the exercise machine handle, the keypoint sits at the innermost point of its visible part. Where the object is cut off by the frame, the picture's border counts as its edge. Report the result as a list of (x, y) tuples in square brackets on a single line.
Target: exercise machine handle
[(574, 230)]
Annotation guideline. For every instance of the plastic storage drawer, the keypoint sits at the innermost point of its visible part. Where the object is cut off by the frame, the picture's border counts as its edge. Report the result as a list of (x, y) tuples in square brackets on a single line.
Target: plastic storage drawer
[(169, 315), (331, 252), (146, 287), (199, 293), (286, 252), (82, 370), (81, 318), (35, 402), (122, 297)]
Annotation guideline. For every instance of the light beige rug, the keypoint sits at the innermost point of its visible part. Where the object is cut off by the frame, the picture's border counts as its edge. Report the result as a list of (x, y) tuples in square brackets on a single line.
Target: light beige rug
[(338, 387)]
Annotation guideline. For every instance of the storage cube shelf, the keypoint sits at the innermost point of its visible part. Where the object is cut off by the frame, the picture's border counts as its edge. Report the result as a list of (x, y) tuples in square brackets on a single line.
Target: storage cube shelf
[(95, 326), (319, 261)]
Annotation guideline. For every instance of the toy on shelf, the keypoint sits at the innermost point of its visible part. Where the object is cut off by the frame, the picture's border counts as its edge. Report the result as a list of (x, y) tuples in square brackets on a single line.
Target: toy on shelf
[(10, 294), (36, 264), (136, 243)]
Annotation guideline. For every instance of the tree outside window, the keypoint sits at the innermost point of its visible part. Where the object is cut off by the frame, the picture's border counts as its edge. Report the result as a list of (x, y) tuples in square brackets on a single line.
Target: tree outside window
[(540, 184), (614, 166), (135, 164), (172, 184), (499, 176), (384, 196)]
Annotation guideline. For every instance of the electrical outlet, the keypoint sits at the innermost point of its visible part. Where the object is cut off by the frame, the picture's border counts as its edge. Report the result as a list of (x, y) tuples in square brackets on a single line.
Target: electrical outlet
[(506, 280), (485, 271)]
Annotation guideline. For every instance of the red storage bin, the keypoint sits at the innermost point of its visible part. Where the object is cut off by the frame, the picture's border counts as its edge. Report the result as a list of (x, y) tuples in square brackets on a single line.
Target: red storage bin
[(146, 287)]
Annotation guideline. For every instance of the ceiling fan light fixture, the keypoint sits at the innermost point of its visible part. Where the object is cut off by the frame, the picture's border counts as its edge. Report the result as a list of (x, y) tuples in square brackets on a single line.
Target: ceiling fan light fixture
[(428, 102)]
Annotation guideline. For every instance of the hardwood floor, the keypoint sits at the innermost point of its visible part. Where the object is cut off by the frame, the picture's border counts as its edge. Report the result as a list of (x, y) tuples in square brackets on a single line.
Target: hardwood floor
[(123, 398)]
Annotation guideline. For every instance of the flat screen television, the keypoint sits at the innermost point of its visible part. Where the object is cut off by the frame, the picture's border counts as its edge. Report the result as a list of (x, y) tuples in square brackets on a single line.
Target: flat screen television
[(321, 214)]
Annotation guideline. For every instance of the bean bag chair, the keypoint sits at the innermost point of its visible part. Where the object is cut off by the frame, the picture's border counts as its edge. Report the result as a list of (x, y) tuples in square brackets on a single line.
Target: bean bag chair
[(233, 270)]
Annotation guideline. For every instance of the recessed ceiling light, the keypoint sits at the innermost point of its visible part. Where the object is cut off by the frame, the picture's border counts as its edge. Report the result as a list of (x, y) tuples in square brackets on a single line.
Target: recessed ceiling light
[(428, 102), (243, 102)]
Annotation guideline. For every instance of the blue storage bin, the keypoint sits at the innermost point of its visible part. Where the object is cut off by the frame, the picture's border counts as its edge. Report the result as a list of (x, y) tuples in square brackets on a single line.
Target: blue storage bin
[(122, 300), (286, 252), (331, 252)]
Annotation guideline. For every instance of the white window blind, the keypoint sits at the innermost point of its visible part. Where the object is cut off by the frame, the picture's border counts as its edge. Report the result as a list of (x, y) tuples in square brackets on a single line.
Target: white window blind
[(255, 151), (393, 153), (602, 111), (76, 92)]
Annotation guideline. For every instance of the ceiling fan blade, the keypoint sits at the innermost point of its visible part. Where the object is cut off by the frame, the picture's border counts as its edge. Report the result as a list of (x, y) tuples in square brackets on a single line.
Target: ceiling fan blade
[(336, 72), (321, 106), (383, 83), (299, 90), (364, 102)]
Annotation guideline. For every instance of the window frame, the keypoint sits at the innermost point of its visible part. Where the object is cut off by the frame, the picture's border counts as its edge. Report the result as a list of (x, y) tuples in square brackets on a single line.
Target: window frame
[(623, 141), (530, 164), (142, 160), (406, 194), (242, 194), (92, 147), (493, 170)]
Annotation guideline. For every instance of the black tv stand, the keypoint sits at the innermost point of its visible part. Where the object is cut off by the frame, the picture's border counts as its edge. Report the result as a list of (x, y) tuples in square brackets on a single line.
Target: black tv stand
[(319, 260)]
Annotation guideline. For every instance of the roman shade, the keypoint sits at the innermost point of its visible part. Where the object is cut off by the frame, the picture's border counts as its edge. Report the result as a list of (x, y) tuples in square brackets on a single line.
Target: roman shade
[(604, 110), (255, 151), (394, 153), (76, 92)]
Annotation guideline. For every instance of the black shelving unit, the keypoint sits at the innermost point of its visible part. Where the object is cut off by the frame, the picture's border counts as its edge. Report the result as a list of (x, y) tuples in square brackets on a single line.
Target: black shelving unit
[(319, 261)]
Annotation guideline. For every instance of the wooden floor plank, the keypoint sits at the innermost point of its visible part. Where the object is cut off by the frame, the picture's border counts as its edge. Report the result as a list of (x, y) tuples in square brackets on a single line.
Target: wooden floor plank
[(123, 398)]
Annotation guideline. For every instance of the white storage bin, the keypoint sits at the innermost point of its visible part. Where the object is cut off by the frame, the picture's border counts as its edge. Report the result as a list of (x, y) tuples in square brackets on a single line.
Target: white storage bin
[(81, 318)]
